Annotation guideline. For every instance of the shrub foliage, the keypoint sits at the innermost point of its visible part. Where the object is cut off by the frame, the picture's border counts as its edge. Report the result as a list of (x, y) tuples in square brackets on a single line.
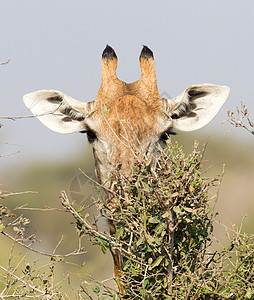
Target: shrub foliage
[(163, 218), (164, 223)]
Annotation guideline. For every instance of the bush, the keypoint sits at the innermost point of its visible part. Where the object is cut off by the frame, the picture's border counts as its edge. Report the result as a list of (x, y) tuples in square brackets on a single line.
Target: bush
[(164, 222)]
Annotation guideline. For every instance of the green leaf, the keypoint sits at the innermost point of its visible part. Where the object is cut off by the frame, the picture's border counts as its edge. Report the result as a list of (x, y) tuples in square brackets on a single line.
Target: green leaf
[(96, 290), (131, 209), (153, 220), (104, 249), (140, 241), (150, 240), (166, 261), (166, 214), (105, 110), (177, 210), (119, 233), (157, 262), (115, 297), (188, 209)]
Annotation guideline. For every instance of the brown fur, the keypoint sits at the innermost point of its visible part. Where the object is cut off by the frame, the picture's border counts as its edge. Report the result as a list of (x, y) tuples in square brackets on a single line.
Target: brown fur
[(132, 107), (113, 88)]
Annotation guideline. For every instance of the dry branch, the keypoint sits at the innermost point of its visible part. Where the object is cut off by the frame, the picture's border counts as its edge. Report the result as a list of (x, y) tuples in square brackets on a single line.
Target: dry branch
[(240, 119)]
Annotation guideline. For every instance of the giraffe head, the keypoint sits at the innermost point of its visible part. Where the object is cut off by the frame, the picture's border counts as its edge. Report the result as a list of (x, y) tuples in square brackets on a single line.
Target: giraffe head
[(127, 119)]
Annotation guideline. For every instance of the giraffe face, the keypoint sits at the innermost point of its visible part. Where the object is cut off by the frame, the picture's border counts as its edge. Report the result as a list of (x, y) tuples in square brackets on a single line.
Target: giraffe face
[(127, 119)]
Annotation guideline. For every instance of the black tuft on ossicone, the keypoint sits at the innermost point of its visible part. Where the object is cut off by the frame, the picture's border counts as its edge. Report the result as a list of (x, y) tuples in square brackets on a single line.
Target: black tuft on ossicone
[(109, 53), (146, 53)]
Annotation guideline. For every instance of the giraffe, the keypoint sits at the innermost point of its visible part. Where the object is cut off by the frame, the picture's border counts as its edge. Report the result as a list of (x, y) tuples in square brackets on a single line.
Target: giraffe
[(126, 117)]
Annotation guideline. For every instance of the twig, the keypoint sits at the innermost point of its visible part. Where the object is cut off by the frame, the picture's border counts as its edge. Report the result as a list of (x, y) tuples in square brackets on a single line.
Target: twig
[(46, 209), (7, 194), (238, 121), (66, 203), (5, 62), (10, 154), (94, 181), (58, 244), (23, 281), (17, 118), (39, 252)]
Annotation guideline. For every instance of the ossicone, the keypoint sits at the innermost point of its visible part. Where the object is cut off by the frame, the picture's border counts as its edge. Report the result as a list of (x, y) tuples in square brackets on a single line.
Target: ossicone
[(109, 53), (146, 53), (148, 74), (109, 64)]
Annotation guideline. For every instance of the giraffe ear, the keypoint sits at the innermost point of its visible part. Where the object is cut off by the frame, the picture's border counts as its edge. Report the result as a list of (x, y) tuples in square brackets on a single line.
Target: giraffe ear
[(196, 106), (57, 111)]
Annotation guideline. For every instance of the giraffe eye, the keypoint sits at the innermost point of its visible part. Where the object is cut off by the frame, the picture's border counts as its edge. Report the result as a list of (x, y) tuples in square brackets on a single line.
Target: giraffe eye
[(91, 135)]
